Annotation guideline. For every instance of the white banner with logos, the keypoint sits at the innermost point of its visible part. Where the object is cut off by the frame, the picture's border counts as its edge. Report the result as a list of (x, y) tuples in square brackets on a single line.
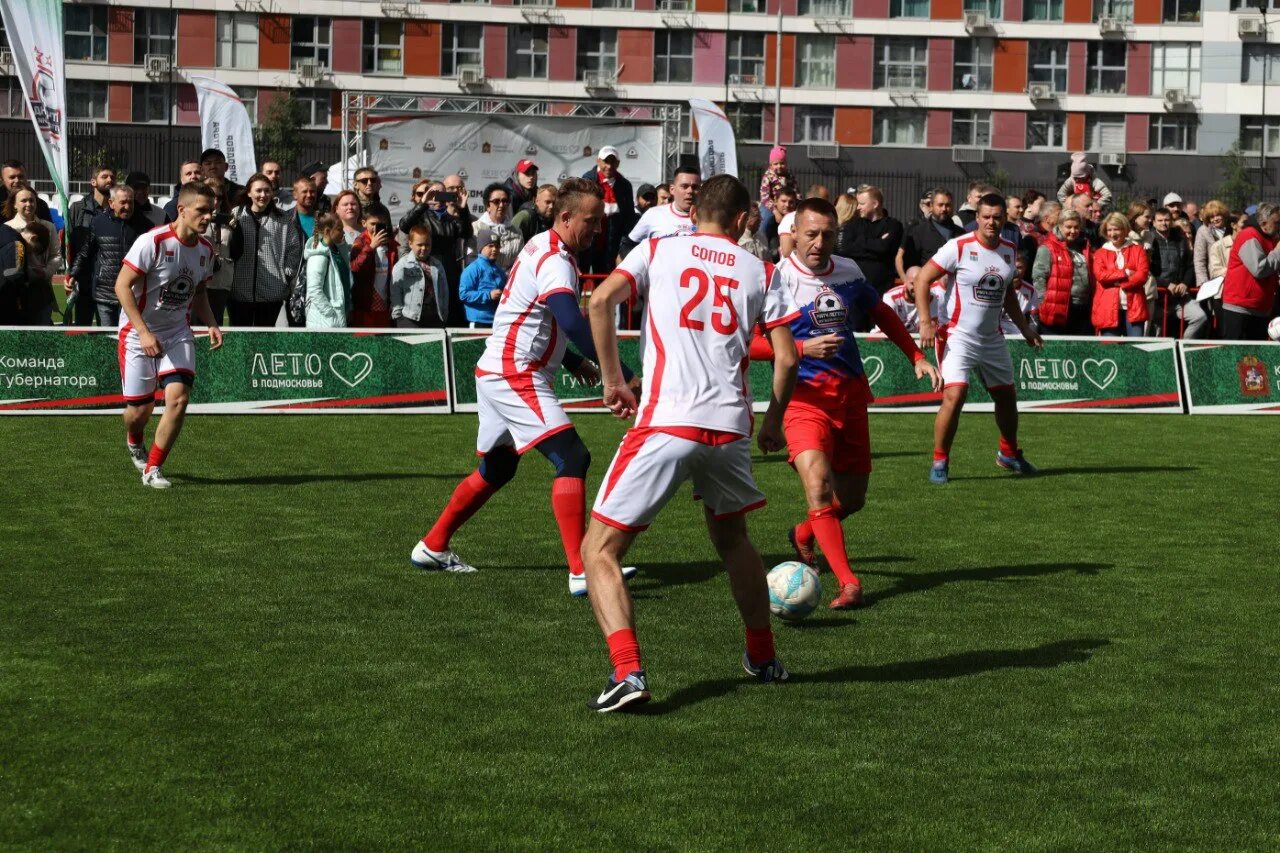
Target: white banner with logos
[(485, 149), (717, 148), (34, 32), (225, 125)]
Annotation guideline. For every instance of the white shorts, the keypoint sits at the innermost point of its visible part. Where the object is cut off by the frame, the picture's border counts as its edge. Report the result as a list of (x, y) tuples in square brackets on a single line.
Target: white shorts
[(517, 411), (961, 353), (650, 465), (141, 375)]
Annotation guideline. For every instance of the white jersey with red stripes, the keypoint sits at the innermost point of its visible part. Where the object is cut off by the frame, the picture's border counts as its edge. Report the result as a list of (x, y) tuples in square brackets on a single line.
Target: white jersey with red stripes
[(526, 337), (704, 297), (662, 221), (171, 271), (905, 307), (1028, 301), (977, 279)]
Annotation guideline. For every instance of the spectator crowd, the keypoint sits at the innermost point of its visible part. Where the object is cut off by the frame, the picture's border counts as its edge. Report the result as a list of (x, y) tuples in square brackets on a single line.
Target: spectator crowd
[(287, 252)]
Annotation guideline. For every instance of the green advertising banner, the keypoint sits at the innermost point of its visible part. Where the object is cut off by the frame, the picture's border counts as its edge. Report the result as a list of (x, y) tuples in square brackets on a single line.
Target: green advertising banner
[(1232, 378), (280, 371), (1069, 375)]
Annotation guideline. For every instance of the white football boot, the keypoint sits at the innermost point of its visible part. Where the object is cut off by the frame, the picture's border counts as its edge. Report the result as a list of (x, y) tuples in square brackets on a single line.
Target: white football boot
[(137, 455), (155, 479), (438, 561)]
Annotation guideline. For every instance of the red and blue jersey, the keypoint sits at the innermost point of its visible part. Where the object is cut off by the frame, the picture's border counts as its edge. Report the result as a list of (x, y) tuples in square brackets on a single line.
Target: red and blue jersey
[(830, 302)]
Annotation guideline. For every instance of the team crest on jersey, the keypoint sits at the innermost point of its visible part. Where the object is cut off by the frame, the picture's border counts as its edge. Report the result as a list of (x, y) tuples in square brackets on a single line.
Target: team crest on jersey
[(990, 288), (178, 292), (829, 310)]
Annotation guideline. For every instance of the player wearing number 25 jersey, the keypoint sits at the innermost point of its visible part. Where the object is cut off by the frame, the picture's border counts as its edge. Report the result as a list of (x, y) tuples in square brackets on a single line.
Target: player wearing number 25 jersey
[(703, 297), (979, 269), (828, 440)]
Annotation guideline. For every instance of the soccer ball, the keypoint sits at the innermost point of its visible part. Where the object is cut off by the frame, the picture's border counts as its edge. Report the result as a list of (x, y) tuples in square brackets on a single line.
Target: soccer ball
[(1273, 329), (794, 590)]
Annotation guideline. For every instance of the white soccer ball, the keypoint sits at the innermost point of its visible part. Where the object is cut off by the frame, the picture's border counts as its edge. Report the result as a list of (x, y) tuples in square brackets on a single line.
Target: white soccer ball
[(1273, 329), (794, 590)]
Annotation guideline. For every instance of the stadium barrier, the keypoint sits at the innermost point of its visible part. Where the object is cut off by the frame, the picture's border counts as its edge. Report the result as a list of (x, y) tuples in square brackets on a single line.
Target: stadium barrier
[(299, 371)]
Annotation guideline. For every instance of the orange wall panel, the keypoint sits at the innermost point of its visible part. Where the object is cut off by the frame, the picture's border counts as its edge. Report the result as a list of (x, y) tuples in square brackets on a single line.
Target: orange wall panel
[(635, 56), (196, 39), (788, 60), (120, 101), (120, 36), (948, 10), (853, 125), (1147, 12), (422, 46), (1075, 11), (574, 4), (1075, 131), (273, 42), (1009, 71), (711, 5)]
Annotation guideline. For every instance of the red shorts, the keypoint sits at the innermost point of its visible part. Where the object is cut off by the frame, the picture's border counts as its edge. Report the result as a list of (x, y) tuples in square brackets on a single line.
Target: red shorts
[(832, 419)]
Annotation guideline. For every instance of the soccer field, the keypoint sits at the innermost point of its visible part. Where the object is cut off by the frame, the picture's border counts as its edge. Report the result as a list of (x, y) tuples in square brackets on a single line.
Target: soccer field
[(1083, 660)]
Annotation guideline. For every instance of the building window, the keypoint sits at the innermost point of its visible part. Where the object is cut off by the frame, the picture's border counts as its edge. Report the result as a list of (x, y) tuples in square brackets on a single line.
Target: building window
[(472, 2), (747, 121), (311, 40), (972, 65), (12, 104), (1104, 132), (237, 40), (898, 127), (971, 127), (463, 44), (908, 8), (383, 47), (1175, 65), (673, 56), (746, 7), (1172, 133), (1121, 10), (153, 32), (901, 63), (1253, 5), (815, 124), (151, 104), (993, 8), (597, 52), (746, 58), (85, 38), (611, 4), (86, 99), (249, 95), (1046, 131), (1252, 131), (317, 106), (1106, 71), (527, 52), (1260, 63), (1048, 64), (1042, 10), (816, 62), (1181, 11), (826, 8)]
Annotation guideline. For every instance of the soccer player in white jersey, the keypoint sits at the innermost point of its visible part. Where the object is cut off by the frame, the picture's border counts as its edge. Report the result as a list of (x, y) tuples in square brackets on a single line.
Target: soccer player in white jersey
[(902, 301), (705, 296), (667, 220), (979, 268), (162, 278), (537, 314), (828, 435)]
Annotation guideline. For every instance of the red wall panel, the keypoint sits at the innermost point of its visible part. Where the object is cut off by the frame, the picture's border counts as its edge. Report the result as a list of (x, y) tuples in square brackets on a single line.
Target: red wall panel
[(196, 39)]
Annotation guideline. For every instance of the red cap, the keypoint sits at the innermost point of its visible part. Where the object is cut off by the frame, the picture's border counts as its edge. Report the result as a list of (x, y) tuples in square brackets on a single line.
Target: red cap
[(526, 166)]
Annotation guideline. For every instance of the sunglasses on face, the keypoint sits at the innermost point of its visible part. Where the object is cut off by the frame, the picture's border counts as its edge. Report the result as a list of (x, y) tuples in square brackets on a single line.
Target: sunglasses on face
[(499, 201), (366, 180)]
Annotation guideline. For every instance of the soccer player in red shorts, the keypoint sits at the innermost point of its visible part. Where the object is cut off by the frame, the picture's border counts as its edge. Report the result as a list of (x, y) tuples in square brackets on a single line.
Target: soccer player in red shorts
[(828, 440)]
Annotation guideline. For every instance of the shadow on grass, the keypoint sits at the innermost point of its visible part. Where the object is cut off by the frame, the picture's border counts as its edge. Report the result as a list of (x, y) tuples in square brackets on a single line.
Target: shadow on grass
[(894, 454), (960, 665), (302, 479), (1085, 471), (678, 574), (924, 581)]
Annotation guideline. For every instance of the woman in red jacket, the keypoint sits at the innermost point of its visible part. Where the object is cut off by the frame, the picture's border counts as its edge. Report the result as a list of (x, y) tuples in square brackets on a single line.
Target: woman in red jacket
[(1253, 270), (1120, 272), (373, 256)]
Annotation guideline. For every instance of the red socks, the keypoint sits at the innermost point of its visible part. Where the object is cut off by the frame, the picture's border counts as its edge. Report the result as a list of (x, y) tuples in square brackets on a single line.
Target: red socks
[(624, 652), (760, 645), (569, 503), (1009, 448), (157, 456), (830, 535), (466, 500), (939, 455), (134, 438), (804, 534)]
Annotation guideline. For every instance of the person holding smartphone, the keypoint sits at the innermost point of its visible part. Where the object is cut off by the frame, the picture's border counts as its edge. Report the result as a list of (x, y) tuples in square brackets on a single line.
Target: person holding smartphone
[(444, 212), (373, 257)]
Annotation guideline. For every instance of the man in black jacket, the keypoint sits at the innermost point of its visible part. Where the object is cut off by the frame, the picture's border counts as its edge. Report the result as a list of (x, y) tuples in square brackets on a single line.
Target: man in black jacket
[(79, 217), (111, 234), (924, 238), (1170, 256), (872, 238), (619, 212)]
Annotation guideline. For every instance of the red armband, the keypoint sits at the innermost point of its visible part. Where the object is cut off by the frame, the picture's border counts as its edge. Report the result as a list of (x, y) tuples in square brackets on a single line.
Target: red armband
[(893, 329)]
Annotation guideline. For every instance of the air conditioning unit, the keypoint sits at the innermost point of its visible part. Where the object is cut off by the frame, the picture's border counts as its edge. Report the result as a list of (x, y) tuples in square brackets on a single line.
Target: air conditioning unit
[(968, 154), (1176, 98), (673, 6), (744, 80), (1251, 25), (600, 81), (6, 57), (157, 65), (470, 76), (1108, 26), (1041, 92), (822, 151), (976, 21), (308, 71), (1112, 158), (689, 146)]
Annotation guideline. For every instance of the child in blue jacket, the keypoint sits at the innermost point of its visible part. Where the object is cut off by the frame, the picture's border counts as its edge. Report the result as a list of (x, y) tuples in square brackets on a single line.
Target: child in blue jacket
[(481, 287)]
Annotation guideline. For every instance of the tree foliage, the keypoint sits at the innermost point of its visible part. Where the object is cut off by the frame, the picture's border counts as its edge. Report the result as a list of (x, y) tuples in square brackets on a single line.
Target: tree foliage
[(1237, 189), (279, 135)]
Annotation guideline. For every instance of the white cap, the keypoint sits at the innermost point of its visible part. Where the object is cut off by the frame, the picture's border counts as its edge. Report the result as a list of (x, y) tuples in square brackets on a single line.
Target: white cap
[(606, 152), (1171, 198)]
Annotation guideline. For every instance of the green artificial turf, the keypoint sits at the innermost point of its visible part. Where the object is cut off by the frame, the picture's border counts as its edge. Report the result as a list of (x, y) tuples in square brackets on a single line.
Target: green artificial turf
[(1085, 660)]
